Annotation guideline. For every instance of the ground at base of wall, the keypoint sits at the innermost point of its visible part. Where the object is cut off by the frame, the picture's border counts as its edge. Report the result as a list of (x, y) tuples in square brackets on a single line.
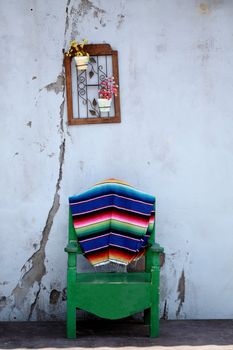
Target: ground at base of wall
[(183, 335)]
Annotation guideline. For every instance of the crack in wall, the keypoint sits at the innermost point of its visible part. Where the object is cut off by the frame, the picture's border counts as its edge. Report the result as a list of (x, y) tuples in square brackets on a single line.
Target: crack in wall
[(67, 22), (34, 269), (181, 292), (165, 311), (34, 303)]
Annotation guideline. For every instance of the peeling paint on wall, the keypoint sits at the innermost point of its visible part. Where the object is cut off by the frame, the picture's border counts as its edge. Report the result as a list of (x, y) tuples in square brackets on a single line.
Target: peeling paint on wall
[(56, 86), (34, 269)]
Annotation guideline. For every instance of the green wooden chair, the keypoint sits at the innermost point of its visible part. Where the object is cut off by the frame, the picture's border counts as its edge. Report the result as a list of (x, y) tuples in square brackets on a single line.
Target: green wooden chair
[(113, 295)]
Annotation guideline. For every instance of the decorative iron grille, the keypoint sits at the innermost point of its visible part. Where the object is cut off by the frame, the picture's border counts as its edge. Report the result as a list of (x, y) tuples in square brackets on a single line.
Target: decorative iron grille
[(82, 86)]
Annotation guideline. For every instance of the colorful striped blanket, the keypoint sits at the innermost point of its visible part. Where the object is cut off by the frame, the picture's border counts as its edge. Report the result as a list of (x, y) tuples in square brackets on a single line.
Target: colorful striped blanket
[(113, 222)]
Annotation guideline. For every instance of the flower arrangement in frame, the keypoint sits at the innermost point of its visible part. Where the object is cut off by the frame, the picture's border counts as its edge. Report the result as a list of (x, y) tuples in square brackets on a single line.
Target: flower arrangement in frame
[(108, 89), (77, 51), (86, 89)]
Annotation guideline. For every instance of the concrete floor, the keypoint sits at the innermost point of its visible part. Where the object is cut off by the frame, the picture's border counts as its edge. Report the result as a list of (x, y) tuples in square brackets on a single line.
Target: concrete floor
[(180, 335)]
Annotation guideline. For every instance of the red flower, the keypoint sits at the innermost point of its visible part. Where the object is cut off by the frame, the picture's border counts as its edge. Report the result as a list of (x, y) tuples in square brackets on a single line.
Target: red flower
[(108, 88)]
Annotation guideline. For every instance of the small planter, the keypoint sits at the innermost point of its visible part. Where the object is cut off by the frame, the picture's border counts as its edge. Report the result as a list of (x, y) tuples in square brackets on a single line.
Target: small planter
[(104, 105), (81, 62)]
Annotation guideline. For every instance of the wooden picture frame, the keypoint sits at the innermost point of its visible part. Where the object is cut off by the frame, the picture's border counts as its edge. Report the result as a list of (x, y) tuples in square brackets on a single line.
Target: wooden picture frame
[(94, 50)]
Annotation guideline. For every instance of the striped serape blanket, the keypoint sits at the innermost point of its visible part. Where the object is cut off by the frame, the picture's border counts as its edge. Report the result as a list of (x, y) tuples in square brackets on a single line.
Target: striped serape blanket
[(113, 222)]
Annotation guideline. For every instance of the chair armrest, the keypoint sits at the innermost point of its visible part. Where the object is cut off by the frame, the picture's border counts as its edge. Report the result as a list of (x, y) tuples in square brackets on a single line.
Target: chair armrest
[(156, 248), (71, 247)]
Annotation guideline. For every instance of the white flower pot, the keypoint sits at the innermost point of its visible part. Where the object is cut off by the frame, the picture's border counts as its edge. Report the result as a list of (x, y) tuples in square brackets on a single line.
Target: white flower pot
[(81, 62), (104, 105)]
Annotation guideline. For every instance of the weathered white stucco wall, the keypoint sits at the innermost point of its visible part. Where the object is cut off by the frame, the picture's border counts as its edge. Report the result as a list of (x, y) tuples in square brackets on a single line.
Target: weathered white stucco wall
[(175, 140)]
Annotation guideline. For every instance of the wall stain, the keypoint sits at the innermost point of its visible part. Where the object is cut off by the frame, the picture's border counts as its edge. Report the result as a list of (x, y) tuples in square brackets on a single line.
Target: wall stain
[(181, 292), (33, 78), (164, 154), (102, 23), (81, 165), (162, 259), (54, 296), (84, 7), (204, 8), (42, 146), (207, 47), (3, 302), (64, 294), (29, 124), (51, 155), (161, 48), (4, 283), (95, 14), (120, 20)]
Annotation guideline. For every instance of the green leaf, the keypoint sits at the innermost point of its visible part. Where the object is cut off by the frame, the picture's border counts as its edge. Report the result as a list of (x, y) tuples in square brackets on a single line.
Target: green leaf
[(92, 60), (92, 112), (94, 102), (91, 73)]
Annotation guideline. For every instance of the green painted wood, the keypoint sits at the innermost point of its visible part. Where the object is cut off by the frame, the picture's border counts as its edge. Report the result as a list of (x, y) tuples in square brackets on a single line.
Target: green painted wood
[(72, 249), (113, 300), (113, 295), (154, 311), (71, 296)]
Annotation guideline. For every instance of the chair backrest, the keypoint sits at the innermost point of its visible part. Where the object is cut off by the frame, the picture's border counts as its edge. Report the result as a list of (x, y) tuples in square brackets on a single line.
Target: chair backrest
[(73, 237)]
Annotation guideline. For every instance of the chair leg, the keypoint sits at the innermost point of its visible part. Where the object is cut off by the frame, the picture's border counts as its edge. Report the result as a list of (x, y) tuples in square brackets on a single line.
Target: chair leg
[(154, 321), (154, 311), (71, 322)]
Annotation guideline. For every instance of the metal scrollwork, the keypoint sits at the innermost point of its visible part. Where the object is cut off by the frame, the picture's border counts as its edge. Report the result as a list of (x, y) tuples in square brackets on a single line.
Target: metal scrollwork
[(95, 73)]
